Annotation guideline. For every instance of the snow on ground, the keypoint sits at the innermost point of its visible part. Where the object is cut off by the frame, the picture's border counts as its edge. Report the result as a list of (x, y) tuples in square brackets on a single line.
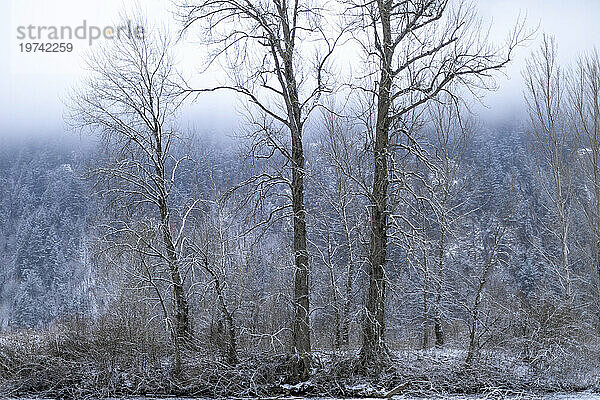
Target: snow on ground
[(491, 396), (557, 396)]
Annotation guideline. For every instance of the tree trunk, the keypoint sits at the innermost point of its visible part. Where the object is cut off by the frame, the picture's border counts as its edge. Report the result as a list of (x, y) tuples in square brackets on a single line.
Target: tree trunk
[(373, 346), (597, 251), (181, 307), (182, 322), (231, 350), (439, 332), (182, 330), (301, 324), (349, 280), (232, 358), (487, 269), (471, 349), (337, 328), (301, 327), (596, 231), (474, 316), (438, 328), (425, 301)]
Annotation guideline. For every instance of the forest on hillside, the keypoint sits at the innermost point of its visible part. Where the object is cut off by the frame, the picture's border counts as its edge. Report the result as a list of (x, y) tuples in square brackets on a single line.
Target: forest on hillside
[(362, 237)]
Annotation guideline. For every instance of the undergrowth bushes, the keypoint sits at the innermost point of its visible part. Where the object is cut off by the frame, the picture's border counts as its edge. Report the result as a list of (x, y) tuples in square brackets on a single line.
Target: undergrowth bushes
[(120, 355)]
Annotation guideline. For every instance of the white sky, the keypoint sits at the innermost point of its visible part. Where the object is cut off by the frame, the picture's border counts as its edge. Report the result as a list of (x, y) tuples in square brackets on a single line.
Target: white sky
[(33, 84)]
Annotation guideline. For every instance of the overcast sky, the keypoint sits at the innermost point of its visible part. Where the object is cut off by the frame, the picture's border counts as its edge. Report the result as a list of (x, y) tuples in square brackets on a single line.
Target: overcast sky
[(33, 85)]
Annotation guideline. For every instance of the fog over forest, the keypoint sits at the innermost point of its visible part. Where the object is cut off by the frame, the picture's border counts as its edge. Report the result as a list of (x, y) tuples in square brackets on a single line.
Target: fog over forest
[(263, 198)]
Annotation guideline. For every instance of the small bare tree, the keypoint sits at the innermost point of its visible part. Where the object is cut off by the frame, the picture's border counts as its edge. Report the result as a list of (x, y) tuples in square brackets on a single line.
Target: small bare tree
[(216, 253), (492, 253), (451, 133), (339, 212), (584, 112), (545, 95)]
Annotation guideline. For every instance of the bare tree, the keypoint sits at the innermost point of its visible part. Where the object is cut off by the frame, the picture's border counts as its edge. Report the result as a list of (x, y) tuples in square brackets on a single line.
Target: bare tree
[(216, 253), (451, 133), (340, 209), (263, 42), (414, 51), (584, 113), (129, 103), (492, 252), (545, 96)]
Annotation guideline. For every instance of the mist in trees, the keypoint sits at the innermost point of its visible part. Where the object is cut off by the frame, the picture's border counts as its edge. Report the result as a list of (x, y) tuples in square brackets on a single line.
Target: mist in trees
[(362, 226)]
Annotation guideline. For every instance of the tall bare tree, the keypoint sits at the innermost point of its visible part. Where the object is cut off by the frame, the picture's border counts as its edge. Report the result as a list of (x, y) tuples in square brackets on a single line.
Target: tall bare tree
[(129, 103), (263, 42), (414, 51)]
